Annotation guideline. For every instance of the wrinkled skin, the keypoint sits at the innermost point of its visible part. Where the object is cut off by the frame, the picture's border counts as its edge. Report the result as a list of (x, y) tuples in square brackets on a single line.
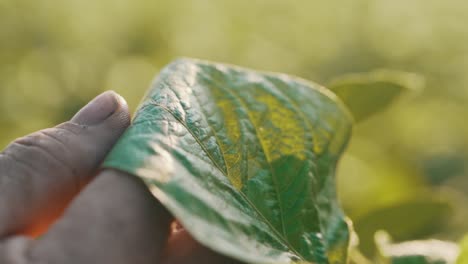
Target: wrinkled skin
[(56, 207)]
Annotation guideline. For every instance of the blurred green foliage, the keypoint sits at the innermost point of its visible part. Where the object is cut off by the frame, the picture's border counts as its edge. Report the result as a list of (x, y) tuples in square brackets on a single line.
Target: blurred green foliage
[(429, 251), (57, 55), (463, 256), (369, 93)]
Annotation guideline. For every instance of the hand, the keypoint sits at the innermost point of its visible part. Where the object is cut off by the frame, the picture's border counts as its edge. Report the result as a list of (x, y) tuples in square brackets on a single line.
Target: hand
[(47, 189)]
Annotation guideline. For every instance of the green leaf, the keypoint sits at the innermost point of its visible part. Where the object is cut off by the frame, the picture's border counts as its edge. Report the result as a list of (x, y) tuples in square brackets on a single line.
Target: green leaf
[(463, 256), (416, 252), (405, 220), (369, 93), (244, 160)]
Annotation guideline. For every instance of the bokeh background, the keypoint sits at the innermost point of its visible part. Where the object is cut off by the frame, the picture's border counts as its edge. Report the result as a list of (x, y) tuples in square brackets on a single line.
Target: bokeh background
[(406, 168)]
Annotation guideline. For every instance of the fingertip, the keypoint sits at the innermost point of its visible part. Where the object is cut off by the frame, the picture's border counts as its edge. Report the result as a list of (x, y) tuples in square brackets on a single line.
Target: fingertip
[(108, 107), (120, 118)]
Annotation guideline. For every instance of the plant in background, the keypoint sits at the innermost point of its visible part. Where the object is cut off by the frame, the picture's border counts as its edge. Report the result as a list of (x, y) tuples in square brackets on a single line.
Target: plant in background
[(246, 160)]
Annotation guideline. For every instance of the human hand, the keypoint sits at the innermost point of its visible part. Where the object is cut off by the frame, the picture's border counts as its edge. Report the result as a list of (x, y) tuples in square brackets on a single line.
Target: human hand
[(50, 186)]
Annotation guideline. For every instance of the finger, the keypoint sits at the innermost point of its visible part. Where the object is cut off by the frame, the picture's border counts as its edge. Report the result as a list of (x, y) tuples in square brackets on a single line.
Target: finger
[(183, 249), (115, 219), (41, 172)]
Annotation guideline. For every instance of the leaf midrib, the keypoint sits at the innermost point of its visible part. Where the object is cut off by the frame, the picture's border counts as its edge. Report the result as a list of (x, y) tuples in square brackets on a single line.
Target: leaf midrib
[(243, 104), (265, 220), (305, 121)]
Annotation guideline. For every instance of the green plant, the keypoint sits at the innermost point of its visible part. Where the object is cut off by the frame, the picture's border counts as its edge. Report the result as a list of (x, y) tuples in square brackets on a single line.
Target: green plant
[(246, 160)]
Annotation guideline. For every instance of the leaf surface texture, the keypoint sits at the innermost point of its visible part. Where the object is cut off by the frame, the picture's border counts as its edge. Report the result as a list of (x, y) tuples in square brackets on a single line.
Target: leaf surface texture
[(245, 160)]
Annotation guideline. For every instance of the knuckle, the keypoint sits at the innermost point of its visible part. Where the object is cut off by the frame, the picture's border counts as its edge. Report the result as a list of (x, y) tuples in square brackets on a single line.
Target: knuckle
[(72, 127), (57, 138), (49, 147)]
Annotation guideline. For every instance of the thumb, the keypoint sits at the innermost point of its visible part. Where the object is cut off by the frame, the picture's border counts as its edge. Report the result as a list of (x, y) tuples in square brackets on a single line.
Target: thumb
[(40, 173)]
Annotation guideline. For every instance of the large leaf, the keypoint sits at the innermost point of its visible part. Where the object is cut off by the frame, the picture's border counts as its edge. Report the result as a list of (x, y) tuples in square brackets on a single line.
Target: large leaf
[(245, 160), (416, 252), (369, 93)]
